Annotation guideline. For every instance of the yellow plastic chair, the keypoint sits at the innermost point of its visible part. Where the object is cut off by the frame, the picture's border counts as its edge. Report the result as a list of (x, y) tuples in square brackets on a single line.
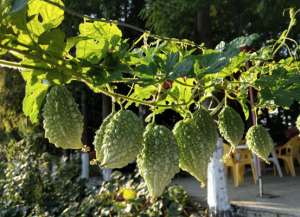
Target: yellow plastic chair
[(288, 153), (296, 150), (236, 160)]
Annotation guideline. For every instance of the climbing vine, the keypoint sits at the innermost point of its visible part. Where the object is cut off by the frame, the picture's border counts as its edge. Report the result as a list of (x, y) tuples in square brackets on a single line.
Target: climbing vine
[(159, 72)]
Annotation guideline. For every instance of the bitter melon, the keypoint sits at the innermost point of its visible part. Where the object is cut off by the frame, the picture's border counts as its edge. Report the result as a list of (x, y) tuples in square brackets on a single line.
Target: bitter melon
[(259, 141), (158, 161), (122, 140), (231, 125), (98, 140), (195, 148), (207, 129), (63, 122)]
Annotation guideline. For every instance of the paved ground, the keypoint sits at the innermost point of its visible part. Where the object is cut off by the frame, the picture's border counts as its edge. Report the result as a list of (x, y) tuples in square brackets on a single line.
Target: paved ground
[(286, 192)]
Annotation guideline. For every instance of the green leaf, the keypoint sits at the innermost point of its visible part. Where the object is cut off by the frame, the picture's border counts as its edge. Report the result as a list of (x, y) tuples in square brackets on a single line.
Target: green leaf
[(172, 59), (53, 41), (183, 68), (147, 72), (233, 65), (18, 5), (142, 93), (45, 16), (17, 17), (244, 103), (233, 47), (279, 87), (101, 37), (72, 41), (53, 76), (212, 62), (35, 93), (91, 50), (183, 90)]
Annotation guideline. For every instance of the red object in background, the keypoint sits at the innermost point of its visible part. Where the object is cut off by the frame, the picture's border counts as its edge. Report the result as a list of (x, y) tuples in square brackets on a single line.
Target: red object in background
[(167, 84)]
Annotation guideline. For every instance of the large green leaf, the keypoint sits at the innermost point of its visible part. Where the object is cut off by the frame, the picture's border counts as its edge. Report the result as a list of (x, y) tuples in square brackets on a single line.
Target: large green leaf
[(171, 60), (214, 61), (182, 68), (35, 93), (279, 87), (233, 47), (45, 16), (53, 42), (100, 37)]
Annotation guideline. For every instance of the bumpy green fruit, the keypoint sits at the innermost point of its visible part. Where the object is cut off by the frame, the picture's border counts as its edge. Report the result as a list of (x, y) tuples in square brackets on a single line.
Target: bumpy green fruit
[(158, 161), (207, 129), (195, 148), (231, 125), (122, 139), (98, 140), (298, 122), (259, 141), (63, 122)]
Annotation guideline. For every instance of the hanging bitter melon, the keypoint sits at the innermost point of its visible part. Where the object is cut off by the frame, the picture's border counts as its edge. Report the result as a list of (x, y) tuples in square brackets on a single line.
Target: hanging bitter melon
[(98, 140), (63, 122), (122, 139), (231, 125), (158, 161), (259, 141)]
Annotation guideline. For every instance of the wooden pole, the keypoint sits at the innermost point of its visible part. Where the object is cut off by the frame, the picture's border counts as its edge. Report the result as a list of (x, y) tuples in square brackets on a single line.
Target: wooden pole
[(256, 159)]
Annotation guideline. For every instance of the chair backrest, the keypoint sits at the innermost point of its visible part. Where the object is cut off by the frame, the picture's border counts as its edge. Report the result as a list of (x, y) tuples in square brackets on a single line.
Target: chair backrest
[(228, 157), (294, 142), (244, 156)]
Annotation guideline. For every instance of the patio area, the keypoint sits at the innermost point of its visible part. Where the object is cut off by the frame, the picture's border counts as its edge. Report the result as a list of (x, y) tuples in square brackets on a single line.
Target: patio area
[(284, 194)]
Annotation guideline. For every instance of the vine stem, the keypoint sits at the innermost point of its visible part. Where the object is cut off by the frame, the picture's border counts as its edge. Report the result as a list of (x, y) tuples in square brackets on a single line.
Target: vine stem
[(184, 84), (117, 95), (218, 107), (37, 57), (20, 66), (284, 36), (225, 97)]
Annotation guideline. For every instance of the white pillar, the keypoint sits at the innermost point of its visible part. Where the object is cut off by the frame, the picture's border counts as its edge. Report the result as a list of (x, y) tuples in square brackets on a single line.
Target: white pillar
[(106, 173), (85, 163), (217, 195)]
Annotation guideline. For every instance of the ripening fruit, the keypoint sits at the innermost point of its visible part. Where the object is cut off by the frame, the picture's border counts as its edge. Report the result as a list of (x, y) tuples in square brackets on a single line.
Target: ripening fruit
[(207, 129), (196, 140), (63, 122), (231, 125), (259, 141), (167, 84), (128, 194), (98, 140), (122, 139), (158, 161)]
